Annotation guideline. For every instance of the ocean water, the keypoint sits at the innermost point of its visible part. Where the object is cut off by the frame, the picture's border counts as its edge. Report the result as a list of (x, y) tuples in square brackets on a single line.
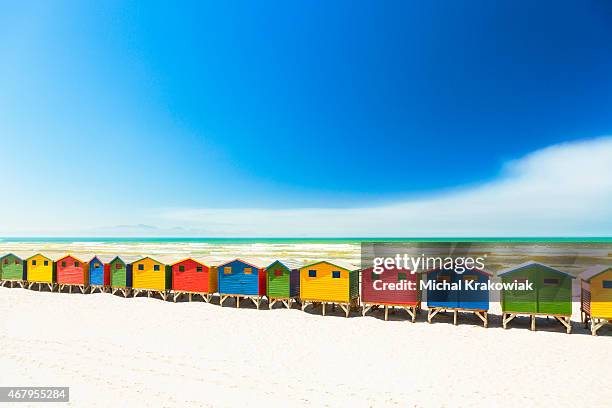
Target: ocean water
[(569, 253), (255, 240)]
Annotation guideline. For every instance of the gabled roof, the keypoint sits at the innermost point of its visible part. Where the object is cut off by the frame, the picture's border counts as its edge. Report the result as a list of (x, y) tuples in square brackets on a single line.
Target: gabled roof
[(527, 264), (105, 259), (290, 264), (197, 260), (127, 259), (347, 266), (70, 256), (148, 257), (594, 271), (251, 263), (9, 254), (39, 254)]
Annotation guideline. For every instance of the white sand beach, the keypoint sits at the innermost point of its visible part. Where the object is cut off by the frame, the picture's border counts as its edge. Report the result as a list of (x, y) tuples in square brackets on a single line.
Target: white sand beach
[(113, 351)]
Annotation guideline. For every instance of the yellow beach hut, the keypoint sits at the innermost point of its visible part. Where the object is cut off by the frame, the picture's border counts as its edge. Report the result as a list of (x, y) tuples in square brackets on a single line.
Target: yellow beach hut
[(151, 276), (330, 283), (596, 297), (40, 271)]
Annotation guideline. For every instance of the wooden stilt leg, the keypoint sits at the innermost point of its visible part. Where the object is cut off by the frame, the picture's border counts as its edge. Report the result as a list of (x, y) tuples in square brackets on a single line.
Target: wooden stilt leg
[(386, 313), (323, 304), (533, 322), (455, 317)]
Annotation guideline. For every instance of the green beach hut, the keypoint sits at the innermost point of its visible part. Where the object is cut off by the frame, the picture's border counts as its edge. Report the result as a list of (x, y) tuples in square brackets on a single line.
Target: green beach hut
[(11, 269), (283, 282), (550, 293), (120, 274)]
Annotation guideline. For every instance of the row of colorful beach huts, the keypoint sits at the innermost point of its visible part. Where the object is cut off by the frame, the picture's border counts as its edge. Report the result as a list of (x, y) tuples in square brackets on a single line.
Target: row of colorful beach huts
[(325, 283)]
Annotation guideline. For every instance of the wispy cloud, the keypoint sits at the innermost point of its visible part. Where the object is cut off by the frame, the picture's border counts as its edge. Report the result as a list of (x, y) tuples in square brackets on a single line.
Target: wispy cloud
[(562, 190)]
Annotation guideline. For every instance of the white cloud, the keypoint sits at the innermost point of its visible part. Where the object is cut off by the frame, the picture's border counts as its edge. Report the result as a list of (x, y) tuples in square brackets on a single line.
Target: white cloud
[(563, 190)]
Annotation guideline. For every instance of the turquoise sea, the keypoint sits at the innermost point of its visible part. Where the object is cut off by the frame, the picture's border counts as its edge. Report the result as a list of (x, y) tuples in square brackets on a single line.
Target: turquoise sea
[(226, 241)]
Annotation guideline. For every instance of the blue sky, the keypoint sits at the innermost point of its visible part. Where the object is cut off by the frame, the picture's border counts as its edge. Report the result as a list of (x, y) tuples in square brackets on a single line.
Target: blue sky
[(185, 116)]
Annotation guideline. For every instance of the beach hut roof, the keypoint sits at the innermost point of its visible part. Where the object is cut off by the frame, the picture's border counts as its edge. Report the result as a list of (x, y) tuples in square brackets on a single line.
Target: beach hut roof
[(594, 271), (340, 264), (105, 259), (250, 261), (146, 257), (290, 264), (9, 254), (528, 264), (127, 259), (195, 259), (70, 256), (53, 259)]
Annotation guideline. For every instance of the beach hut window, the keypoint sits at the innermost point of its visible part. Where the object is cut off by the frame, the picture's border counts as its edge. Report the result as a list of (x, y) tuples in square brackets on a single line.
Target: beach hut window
[(607, 284), (17, 262), (375, 276), (401, 276), (181, 268), (469, 278), (140, 267), (34, 262), (96, 265), (520, 279), (551, 281), (444, 278), (312, 273), (46, 263), (227, 270), (336, 274), (198, 269), (6, 261), (156, 267), (76, 264), (63, 264), (248, 271), (118, 266), (278, 272)]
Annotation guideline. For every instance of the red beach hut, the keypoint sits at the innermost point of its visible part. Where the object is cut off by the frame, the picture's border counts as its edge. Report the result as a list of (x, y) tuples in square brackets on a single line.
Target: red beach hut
[(72, 271), (397, 288), (191, 276)]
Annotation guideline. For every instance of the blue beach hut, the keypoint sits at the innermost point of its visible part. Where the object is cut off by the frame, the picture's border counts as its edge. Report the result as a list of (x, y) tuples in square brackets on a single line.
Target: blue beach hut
[(99, 273), (464, 291), (241, 279)]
